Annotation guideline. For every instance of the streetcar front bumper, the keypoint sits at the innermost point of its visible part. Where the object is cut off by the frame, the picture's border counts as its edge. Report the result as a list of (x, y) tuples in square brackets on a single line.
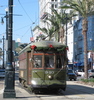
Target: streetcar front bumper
[(53, 86)]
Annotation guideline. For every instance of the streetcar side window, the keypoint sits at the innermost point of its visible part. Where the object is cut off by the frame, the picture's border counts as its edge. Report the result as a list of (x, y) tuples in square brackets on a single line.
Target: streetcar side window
[(49, 61), (37, 61)]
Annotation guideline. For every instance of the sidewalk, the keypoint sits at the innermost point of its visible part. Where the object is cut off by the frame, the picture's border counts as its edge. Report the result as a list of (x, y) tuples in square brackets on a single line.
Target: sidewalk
[(21, 94)]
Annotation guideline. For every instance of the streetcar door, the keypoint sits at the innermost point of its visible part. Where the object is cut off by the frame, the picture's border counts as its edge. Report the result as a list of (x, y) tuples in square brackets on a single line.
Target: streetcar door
[(29, 68)]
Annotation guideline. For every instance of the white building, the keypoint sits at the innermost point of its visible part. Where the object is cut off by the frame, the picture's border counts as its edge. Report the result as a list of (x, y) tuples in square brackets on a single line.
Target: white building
[(45, 7)]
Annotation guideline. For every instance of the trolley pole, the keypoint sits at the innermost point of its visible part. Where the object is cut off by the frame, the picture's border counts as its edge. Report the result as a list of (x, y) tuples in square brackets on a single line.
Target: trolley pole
[(9, 91)]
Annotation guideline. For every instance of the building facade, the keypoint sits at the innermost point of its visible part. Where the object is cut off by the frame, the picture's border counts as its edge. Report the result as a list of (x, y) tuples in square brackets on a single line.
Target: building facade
[(78, 42), (45, 7)]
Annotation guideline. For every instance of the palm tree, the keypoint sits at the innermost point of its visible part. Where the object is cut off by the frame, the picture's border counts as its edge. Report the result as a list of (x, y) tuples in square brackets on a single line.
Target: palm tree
[(48, 32), (84, 8), (55, 24), (58, 20), (40, 37)]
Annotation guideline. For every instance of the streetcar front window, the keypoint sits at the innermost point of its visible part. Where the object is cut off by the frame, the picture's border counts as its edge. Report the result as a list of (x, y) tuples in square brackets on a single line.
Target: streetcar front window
[(49, 61), (37, 61)]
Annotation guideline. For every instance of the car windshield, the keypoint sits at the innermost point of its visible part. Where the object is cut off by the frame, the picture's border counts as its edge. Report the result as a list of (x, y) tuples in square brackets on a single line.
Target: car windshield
[(79, 70), (92, 70), (2, 70)]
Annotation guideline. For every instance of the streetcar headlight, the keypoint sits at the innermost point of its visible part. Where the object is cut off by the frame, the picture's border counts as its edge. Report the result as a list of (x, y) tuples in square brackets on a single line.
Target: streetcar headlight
[(33, 82), (50, 77)]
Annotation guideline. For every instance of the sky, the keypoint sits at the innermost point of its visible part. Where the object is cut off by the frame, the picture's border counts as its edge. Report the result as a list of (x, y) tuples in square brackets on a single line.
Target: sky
[(25, 18)]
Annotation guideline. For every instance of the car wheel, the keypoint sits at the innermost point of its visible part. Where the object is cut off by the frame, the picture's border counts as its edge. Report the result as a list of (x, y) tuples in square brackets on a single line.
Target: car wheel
[(70, 79), (74, 79)]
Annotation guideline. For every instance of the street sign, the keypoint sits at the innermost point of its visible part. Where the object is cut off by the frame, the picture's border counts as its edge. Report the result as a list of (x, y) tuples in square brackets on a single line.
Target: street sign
[(6, 45)]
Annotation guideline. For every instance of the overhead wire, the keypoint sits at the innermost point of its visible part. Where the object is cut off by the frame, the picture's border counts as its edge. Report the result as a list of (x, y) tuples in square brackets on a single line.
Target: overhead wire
[(27, 16), (25, 11), (25, 33), (22, 27)]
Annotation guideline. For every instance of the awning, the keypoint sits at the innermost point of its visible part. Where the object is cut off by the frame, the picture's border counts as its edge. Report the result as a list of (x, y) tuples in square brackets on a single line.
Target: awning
[(70, 65), (77, 64)]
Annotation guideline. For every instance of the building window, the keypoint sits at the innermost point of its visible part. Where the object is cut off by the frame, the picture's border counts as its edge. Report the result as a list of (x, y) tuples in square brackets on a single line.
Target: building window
[(52, 6), (56, 5), (80, 50), (80, 38)]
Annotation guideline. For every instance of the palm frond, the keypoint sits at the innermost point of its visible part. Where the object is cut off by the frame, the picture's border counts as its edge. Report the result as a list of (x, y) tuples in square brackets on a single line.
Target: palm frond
[(84, 7)]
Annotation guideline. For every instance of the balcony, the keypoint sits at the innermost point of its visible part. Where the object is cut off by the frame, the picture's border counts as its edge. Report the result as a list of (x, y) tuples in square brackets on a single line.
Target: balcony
[(44, 16)]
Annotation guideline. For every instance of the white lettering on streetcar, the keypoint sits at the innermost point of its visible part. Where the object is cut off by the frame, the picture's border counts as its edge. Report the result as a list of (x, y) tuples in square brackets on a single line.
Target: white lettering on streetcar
[(49, 72)]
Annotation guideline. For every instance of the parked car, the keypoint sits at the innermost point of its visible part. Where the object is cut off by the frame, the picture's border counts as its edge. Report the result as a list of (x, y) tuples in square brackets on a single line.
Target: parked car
[(91, 73), (2, 73), (80, 72), (71, 74)]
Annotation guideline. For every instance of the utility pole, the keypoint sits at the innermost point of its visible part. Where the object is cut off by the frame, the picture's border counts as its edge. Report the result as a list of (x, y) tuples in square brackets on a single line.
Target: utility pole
[(6, 33), (32, 38), (6, 23), (3, 53), (9, 91), (66, 29)]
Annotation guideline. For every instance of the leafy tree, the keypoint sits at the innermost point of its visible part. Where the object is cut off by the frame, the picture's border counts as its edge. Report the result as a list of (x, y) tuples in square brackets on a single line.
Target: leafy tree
[(84, 8), (21, 47)]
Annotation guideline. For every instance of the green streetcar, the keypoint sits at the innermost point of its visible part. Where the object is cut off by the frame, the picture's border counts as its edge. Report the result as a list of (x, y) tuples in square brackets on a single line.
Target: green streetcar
[(42, 66)]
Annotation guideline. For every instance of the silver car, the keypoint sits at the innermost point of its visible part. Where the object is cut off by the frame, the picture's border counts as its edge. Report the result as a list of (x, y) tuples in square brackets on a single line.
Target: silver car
[(91, 73), (2, 73)]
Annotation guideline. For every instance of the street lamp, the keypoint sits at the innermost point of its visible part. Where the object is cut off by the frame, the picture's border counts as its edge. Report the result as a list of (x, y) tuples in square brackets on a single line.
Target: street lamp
[(2, 21), (9, 91)]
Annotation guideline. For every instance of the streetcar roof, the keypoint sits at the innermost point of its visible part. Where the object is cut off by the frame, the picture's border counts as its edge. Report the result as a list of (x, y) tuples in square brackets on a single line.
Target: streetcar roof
[(44, 43)]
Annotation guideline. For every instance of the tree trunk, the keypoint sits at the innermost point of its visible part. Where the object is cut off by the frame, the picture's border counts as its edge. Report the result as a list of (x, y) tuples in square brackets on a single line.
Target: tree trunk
[(62, 34), (58, 36), (84, 32)]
